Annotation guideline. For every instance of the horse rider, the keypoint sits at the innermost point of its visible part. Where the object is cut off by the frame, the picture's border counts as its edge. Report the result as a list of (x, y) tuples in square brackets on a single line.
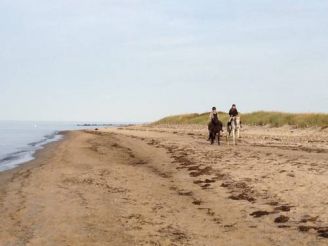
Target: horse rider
[(233, 112), (214, 119), (214, 114)]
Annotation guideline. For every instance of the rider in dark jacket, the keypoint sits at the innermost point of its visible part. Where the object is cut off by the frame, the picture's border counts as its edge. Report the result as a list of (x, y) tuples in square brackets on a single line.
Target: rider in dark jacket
[(233, 111)]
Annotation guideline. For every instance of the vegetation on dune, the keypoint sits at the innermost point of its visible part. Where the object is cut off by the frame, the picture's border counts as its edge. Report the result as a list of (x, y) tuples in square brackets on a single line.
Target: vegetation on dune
[(261, 118), (277, 119), (190, 119)]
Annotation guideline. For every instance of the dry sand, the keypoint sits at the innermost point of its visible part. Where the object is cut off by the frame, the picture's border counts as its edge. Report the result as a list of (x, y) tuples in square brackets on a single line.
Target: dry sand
[(166, 185)]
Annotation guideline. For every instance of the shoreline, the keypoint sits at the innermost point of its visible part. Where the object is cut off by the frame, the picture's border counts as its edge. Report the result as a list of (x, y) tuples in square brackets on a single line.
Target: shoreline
[(35, 162), (39, 146), (166, 185)]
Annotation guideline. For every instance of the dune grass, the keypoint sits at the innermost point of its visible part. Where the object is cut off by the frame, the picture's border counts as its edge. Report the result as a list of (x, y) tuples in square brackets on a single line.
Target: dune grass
[(260, 118)]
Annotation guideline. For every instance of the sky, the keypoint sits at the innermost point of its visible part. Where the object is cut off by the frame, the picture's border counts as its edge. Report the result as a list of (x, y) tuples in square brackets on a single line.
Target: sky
[(140, 60)]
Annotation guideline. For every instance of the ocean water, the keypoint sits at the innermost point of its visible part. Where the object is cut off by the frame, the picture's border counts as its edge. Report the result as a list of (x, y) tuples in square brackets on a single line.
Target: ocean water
[(20, 140)]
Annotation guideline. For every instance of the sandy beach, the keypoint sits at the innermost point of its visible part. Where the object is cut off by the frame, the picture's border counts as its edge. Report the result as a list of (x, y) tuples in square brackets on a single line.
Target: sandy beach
[(166, 185)]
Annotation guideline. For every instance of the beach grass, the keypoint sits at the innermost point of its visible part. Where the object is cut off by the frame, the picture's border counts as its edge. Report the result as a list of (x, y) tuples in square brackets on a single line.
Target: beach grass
[(259, 118)]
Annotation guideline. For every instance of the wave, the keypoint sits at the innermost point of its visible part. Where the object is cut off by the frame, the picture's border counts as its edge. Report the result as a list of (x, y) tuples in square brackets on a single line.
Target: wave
[(44, 139), (26, 154)]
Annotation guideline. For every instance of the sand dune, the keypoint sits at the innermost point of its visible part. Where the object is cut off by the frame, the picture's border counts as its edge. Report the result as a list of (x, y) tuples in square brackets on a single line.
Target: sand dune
[(165, 185)]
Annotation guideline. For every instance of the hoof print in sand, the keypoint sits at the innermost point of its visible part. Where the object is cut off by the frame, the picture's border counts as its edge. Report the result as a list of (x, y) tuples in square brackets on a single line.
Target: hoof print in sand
[(205, 186), (199, 172), (242, 196), (140, 162), (308, 218), (285, 208), (217, 220), (192, 168), (184, 193), (273, 203), (225, 185), (281, 219), (115, 145), (305, 228), (197, 202), (283, 226), (209, 211), (210, 181), (259, 213), (174, 234), (322, 231), (230, 225)]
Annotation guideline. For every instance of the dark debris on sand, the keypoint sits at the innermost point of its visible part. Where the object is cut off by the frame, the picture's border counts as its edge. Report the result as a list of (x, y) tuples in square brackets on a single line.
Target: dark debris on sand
[(242, 196), (259, 213), (281, 219), (322, 231)]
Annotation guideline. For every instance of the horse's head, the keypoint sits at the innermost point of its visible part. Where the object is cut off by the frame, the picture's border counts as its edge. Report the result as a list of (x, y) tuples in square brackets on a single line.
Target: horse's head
[(215, 121)]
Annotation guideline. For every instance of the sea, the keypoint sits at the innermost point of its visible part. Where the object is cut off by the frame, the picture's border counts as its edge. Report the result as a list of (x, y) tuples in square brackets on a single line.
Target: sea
[(19, 140)]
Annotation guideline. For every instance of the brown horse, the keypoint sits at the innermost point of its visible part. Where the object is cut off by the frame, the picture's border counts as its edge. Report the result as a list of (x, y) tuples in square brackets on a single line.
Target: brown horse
[(215, 129)]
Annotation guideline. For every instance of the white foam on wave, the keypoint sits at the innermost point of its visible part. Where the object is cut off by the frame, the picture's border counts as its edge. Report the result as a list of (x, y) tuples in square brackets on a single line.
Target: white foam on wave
[(19, 140), (26, 154)]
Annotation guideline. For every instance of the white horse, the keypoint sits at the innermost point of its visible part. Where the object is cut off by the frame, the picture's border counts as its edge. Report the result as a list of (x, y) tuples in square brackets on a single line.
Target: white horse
[(234, 128)]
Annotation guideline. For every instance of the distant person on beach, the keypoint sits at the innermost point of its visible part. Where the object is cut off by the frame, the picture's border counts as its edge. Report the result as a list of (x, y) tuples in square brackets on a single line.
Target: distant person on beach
[(214, 119)]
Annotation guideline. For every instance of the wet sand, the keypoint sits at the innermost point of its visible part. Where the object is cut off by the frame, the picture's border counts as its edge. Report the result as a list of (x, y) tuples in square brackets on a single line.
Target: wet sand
[(166, 185)]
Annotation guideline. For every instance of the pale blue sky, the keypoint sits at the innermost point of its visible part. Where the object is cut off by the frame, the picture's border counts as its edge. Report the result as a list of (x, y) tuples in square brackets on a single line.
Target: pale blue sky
[(139, 60)]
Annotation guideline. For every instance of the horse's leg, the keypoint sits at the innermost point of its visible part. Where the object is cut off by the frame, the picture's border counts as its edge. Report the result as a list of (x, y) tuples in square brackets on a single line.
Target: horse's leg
[(219, 137), (233, 136), (212, 137), (238, 126), (238, 129)]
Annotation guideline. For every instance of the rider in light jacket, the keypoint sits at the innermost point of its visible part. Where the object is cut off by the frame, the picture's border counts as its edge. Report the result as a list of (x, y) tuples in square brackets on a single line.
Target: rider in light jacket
[(213, 113)]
